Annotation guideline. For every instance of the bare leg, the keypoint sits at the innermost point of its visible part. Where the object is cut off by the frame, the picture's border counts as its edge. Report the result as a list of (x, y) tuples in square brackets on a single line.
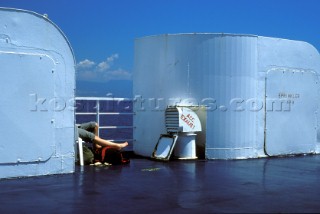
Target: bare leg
[(96, 128), (102, 142), (95, 131)]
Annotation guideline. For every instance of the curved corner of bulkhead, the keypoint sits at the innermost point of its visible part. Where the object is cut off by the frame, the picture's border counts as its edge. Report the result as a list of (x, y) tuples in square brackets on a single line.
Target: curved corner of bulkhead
[(302, 44), (45, 18)]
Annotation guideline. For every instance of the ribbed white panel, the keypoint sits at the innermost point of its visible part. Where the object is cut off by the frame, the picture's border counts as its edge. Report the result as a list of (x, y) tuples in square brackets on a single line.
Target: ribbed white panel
[(229, 72)]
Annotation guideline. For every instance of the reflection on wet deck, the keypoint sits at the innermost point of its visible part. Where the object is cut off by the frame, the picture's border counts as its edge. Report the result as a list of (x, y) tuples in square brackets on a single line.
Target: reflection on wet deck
[(258, 185)]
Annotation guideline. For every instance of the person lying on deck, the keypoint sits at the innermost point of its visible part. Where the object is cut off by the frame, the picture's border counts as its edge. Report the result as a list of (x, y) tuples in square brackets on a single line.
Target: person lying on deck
[(89, 133)]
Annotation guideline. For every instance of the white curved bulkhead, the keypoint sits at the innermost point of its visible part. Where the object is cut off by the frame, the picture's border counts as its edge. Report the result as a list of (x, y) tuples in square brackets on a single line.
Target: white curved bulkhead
[(255, 90), (37, 91)]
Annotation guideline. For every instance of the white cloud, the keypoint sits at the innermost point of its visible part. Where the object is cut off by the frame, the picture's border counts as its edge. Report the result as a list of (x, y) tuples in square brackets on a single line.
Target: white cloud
[(102, 66), (112, 57), (105, 65), (85, 64), (101, 72)]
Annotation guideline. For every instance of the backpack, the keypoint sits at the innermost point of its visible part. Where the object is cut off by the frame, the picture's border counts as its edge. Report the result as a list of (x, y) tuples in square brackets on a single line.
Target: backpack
[(88, 155), (110, 155)]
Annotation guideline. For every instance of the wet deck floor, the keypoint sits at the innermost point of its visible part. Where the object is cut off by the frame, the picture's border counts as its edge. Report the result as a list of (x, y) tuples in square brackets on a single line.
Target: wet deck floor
[(258, 186)]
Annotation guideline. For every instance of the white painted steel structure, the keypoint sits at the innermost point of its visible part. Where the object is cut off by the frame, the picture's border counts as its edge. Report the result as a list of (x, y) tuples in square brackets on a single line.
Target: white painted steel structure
[(261, 93), (37, 92)]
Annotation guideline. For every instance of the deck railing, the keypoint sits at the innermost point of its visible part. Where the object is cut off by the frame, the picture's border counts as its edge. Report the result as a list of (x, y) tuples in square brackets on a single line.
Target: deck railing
[(112, 114)]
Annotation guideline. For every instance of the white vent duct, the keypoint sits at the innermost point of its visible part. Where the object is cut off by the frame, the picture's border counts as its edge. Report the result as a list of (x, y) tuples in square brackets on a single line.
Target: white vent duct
[(181, 119), (182, 123)]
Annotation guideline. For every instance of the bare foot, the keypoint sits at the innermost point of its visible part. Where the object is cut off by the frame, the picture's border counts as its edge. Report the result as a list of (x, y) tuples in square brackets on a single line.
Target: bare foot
[(122, 145)]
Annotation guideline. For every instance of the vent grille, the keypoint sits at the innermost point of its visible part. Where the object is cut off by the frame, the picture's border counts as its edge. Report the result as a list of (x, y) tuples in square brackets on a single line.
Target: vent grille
[(172, 120)]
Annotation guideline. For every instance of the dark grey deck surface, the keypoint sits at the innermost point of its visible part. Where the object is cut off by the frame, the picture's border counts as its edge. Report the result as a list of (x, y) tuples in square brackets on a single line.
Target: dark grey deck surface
[(276, 185)]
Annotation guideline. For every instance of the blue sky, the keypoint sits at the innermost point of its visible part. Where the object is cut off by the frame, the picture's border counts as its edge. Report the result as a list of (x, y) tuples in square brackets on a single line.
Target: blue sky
[(102, 32)]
